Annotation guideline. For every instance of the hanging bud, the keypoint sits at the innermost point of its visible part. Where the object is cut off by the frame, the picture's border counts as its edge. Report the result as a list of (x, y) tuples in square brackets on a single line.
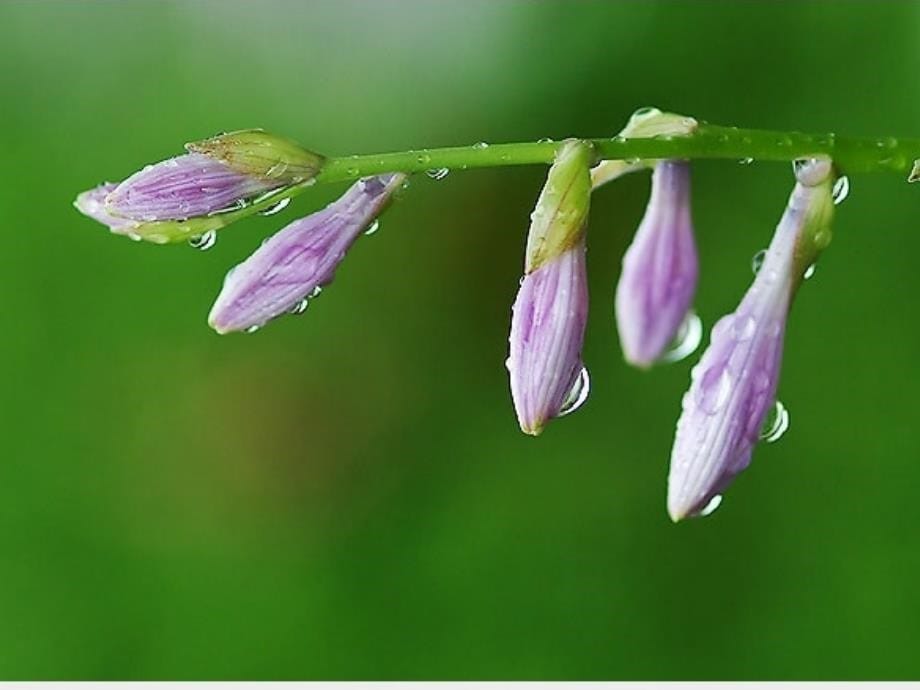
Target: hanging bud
[(658, 280), (551, 309), (734, 385), (257, 153), (293, 264), (643, 124)]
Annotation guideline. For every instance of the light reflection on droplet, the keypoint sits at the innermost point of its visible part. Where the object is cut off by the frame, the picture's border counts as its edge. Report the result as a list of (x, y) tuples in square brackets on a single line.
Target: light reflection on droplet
[(776, 423), (373, 227), (203, 242), (757, 260), (688, 338), (578, 395), (841, 189)]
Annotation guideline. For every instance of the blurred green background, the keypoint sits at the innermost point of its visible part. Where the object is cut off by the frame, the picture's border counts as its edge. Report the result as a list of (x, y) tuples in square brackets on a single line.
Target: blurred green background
[(346, 494)]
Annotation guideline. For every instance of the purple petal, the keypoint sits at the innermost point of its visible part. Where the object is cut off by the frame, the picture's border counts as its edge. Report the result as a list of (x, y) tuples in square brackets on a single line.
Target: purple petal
[(91, 203), (658, 281), (733, 387), (301, 257), (547, 331), (184, 187)]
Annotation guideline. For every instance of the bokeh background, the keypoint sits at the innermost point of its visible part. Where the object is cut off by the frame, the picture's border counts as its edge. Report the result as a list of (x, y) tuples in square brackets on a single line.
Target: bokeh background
[(346, 494)]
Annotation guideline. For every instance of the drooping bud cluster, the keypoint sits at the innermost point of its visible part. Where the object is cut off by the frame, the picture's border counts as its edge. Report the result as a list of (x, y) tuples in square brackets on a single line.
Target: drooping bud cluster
[(733, 387)]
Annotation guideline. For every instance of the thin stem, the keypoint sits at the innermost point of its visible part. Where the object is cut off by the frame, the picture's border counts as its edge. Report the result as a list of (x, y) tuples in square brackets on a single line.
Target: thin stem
[(850, 154)]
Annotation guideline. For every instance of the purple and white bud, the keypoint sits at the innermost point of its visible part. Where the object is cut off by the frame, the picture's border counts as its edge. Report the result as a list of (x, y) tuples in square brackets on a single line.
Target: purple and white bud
[(91, 203), (549, 315), (187, 186), (660, 268), (733, 387), (300, 258)]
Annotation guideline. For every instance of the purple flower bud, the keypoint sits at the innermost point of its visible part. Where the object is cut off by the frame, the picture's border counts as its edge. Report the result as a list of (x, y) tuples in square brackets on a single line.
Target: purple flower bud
[(660, 268), (734, 384), (547, 331), (184, 187), (297, 260), (548, 319)]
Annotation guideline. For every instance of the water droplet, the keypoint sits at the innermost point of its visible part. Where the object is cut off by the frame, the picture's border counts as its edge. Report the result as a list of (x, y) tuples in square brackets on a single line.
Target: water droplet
[(715, 389), (276, 208), (352, 172), (373, 227), (577, 395), (315, 291), (809, 272), (646, 111), (300, 307), (545, 140), (757, 260), (688, 338), (746, 161), (841, 189), (203, 242), (235, 206), (437, 173), (423, 159), (744, 327), (711, 507), (776, 423), (480, 145), (134, 236), (252, 329)]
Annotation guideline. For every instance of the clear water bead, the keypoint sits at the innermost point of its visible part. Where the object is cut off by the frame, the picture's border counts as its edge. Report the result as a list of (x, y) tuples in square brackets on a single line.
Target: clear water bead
[(578, 395), (275, 208), (300, 307), (841, 189), (373, 227), (776, 423), (687, 340), (437, 173), (711, 507), (203, 242), (757, 260)]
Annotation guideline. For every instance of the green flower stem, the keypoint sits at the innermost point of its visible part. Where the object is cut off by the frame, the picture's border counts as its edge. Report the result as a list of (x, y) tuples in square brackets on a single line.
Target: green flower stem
[(708, 141), (850, 154)]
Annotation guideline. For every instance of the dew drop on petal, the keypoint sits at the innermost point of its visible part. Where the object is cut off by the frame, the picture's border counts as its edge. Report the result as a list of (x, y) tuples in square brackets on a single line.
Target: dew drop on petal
[(809, 272), (276, 208), (204, 241), (577, 395), (300, 307), (252, 329), (776, 423), (715, 389), (757, 260), (437, 173), (373, 227), (315, 292), (545, 140), (480, 145), (711, 507), (688, 338), (841, 189)]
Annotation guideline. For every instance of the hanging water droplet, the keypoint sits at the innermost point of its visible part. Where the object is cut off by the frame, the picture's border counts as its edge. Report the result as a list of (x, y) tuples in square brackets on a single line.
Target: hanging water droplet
[(757, 260), (809, 272), (204, 241), (235, 206), (134, 236), (437, 173), (688, 338), (252, 329), (275, 208), (711, 507), (577, 395), (841, 189), (776, 423), (373, 227), (315, 291), (746, 161), (300, 307), (480, 145), (545, 140)]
